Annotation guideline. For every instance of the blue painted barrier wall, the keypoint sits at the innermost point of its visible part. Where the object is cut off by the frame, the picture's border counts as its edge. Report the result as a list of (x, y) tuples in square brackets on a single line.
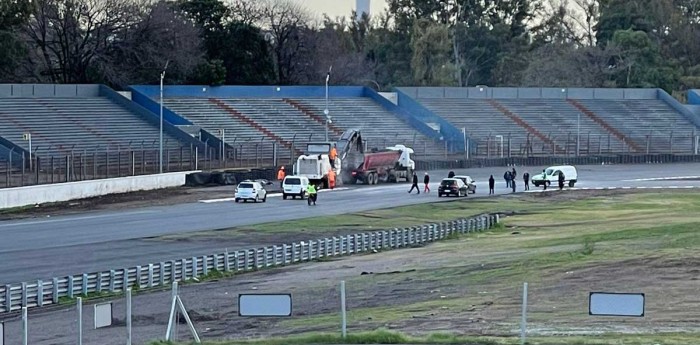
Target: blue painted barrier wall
[(694, 97), (149, 117), (450, 133), (679, 107)]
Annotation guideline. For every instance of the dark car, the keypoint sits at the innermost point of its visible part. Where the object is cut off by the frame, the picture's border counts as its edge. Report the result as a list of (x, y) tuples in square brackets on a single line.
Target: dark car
[(452, 186)]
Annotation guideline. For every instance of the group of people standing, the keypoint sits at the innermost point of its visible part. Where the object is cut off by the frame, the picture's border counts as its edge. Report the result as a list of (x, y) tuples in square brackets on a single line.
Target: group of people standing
[(509, 176)]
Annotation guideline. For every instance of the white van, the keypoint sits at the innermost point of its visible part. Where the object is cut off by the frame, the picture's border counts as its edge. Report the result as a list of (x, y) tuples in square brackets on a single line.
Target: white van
[(294, 186), (551, 176)]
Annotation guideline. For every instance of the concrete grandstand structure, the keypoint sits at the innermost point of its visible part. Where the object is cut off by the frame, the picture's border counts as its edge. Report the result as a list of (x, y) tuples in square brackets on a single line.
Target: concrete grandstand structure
[(70, 127), (541, 121), (280, 121), (262, 126)]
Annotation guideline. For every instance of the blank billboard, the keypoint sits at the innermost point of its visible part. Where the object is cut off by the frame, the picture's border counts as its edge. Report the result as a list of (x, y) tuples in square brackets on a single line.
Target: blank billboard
[(265, 305), (616, 304), (103, 315)]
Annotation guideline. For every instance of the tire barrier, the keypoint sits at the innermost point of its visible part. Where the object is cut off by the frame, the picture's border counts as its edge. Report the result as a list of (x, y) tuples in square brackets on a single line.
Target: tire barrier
[(228, 177), (549, 161)]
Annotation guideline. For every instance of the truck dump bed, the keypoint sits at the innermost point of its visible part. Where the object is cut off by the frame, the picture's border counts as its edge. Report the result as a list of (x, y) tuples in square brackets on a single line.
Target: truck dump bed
[(376, 160)]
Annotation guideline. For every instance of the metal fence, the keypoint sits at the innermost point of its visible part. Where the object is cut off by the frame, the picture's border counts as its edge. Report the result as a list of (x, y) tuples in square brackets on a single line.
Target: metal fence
[(554, 160), (586, 143), (18, 170), (41, 293)]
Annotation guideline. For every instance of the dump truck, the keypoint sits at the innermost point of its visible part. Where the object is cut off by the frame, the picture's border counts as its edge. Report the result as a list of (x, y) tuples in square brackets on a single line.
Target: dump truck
[(392, 164)]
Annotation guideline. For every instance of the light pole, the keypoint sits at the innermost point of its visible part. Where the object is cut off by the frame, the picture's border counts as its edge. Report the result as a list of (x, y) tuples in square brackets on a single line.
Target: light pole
[(160, 137), (578, 133), (326, 111)]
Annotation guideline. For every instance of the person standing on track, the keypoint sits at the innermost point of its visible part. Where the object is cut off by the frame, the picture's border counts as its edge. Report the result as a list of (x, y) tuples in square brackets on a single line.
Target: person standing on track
[(332, 155), (512, 184), (492, 185), (280, 175), (506, 176), (561, 180), (331, 179), (415, 184), (526, 179), (426, 181)]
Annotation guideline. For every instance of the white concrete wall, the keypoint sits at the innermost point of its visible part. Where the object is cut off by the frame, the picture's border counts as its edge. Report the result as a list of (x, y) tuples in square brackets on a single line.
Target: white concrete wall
[(31, 195)]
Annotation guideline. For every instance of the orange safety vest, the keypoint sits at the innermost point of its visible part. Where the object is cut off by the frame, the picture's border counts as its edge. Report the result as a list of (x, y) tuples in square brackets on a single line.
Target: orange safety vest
[(280, 174), (331, 176)]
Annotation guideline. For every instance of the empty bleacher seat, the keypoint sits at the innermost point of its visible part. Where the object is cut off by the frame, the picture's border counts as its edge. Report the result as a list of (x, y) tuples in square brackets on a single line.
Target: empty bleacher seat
[(61, 126)]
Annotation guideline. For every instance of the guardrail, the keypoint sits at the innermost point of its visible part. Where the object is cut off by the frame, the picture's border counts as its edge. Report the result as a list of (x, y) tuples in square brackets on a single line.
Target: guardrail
[(42, 293)]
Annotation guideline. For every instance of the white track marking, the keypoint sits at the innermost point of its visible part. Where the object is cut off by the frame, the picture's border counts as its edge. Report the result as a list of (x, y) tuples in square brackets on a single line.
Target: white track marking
[(663, 178), (272, 195)]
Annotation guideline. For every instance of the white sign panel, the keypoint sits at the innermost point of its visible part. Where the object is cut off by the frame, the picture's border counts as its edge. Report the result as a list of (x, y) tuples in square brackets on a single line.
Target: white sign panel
[(265, 305), (2, 333), (616, 304), (103, 315)]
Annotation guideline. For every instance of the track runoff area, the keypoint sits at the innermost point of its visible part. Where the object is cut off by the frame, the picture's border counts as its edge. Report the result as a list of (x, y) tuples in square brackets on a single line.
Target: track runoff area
[(102, 240), (90, 248)]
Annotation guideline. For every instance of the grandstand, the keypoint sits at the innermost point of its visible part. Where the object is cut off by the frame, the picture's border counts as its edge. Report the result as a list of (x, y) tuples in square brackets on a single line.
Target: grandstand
[(75, 120), (548, 121), (652, 121), (246, 128), (289, 119), (379, 126)]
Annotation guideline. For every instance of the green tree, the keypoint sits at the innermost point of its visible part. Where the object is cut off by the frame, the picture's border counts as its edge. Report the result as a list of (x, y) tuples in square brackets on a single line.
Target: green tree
[(237, 47), (13, 15), (244, 52), (432, 49), (639, 62)]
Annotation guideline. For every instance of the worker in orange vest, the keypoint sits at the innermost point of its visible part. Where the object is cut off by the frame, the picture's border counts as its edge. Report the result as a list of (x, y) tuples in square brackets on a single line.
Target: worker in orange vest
[(333, 154), (280, 175), (331, 179)]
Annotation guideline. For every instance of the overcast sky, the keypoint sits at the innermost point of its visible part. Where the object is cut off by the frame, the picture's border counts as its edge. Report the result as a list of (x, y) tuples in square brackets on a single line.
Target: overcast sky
[(337, 8)]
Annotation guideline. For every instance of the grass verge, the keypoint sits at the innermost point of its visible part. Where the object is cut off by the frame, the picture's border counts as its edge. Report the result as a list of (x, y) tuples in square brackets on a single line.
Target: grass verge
[(388, 337)]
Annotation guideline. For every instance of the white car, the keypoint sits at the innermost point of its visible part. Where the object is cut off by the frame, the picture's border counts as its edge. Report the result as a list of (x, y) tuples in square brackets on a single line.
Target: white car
[(294, 186), (551, 176), (471, 185), (250, 190)]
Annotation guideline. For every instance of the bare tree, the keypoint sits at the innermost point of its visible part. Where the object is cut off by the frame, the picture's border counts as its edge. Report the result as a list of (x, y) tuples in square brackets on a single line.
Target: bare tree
[(246, 11), (161, 35), (112, 41), (569, 21), (288, 32), (558, 65), (68, 36)]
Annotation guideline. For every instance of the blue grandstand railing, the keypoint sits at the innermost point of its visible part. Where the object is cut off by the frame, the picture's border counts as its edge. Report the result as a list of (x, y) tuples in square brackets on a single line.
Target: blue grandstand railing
[(694, 97), (679, 107), (142, 97), (402, 114), (7, 146), (149, 116), (449, 132)]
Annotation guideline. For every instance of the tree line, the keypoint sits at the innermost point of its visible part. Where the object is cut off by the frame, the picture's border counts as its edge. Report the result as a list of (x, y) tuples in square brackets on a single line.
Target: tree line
[(557, 43)]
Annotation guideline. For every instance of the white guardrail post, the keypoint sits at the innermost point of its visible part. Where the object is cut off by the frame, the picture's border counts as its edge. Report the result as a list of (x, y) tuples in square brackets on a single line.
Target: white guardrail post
[(244, 260)]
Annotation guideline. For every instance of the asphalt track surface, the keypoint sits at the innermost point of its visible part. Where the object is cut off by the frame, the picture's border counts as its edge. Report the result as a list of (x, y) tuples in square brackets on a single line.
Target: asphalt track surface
[(42, 248)]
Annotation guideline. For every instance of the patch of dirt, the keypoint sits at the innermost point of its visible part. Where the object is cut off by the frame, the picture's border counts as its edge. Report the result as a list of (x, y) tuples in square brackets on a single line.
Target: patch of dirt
[(162, 197)]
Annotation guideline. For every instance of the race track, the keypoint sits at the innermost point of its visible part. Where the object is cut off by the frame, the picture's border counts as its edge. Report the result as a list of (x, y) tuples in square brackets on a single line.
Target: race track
[(56, 246)]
